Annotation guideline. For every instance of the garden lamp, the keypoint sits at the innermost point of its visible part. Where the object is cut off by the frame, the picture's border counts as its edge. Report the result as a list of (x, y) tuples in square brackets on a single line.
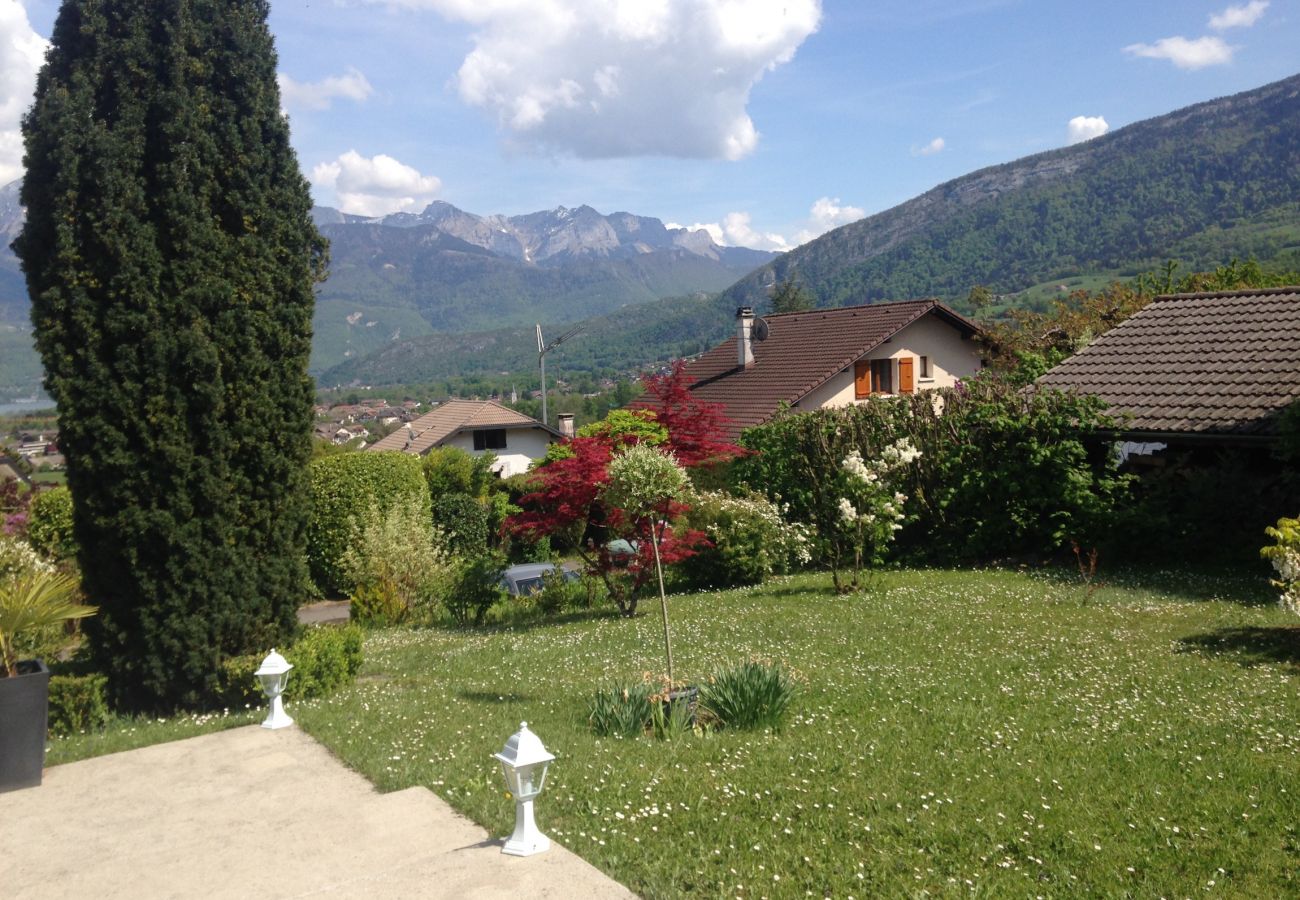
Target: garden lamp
[(524, 762), (274, 675)]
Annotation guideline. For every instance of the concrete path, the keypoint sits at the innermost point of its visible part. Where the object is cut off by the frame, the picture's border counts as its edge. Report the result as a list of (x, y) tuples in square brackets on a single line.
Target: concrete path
[(325, 612), (256, 813)]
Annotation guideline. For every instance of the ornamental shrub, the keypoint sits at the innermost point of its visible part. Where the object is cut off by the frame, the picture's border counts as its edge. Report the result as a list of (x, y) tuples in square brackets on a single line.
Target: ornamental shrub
[(749, 541), (1284, 554), (451, 470), (397, 564), (325, 658), (464, 521), (476, 588), (342, 488), (78, 703), (49, 524)]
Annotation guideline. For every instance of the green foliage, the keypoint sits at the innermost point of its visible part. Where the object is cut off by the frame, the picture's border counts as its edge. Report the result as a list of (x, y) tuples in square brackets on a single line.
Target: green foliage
[(477, 588), (749, 541), (623, 709), (627, 425), (1001, 473), (451, 470), (78, 703), (1284, 554), (396, 563), (749, 696), (325, 658), (33, 603), (642, 479), (170, 258), (791, 296), (464, 521), (49, 524), (342, 488)]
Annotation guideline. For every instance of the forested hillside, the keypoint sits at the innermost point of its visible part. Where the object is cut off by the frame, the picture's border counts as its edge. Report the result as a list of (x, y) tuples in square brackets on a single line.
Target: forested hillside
[(1204, 184)]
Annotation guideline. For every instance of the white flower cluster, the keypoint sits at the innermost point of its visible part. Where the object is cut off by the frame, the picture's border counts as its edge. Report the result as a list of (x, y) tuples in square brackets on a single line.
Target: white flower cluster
[(858, 469), (900, 453), (1287, 566), (19, 559)]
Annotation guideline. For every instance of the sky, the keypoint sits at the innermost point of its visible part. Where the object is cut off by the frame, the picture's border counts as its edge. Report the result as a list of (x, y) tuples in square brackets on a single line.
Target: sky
[(768, 122)]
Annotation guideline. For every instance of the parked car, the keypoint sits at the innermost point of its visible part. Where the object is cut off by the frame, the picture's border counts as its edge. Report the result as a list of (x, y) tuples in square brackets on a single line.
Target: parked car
[(526, 578)]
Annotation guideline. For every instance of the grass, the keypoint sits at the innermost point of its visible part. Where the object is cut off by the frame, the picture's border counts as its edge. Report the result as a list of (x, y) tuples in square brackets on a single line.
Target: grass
[(958, 733)]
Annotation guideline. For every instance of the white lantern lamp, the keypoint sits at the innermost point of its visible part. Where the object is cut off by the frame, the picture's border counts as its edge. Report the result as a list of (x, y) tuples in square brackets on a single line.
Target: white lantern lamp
[(274, 675), (524, 762)]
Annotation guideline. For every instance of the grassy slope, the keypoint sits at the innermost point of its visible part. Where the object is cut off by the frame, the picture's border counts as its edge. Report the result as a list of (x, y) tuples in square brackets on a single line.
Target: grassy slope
[(959, 732)]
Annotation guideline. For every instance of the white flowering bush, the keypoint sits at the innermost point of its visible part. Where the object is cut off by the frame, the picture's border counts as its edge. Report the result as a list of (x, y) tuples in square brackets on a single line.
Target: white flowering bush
[(1284, 553), (870, 509), (749, 537)]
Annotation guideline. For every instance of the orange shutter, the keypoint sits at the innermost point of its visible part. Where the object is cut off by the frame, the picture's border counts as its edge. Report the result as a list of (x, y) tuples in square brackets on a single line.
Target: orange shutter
[(905, 375), (861, 380)]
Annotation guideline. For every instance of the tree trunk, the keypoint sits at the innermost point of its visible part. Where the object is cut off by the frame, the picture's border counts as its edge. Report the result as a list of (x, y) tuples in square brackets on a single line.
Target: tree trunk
[(663, 603)]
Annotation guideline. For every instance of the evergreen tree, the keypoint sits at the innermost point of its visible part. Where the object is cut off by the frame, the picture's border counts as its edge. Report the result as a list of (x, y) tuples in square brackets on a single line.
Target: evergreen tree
[(791, 296), (170, 258)]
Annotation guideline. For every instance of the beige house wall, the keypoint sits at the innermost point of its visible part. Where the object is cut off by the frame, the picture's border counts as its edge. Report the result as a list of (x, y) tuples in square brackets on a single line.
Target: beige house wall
[(951, 358), (523, 445)]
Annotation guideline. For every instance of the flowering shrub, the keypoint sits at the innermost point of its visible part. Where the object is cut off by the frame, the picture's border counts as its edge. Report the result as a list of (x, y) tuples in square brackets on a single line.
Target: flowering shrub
[(49, 524), (871, 511), (1285, 556), (750, 540)]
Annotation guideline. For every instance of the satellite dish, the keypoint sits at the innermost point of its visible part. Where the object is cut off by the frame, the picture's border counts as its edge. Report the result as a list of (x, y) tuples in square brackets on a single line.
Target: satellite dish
[(761, 329)]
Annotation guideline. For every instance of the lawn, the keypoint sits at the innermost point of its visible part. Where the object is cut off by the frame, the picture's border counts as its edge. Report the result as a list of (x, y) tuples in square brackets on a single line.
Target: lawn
[(958, 733)]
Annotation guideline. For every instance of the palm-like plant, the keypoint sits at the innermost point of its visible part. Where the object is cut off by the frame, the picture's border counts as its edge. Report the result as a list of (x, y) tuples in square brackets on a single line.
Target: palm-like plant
[(35, 601)]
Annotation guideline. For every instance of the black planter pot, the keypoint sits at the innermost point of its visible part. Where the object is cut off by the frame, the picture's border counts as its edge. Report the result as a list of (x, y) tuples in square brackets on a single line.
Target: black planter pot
[(690, 696), (24, 706)]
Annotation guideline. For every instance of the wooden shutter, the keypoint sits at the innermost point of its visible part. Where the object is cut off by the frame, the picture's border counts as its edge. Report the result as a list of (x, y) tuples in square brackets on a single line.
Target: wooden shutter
[(905, 382), (861, 380)]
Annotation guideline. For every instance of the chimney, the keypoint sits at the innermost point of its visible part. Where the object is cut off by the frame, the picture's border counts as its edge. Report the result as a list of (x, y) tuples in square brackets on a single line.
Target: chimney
[(566, 425), (744, 343)]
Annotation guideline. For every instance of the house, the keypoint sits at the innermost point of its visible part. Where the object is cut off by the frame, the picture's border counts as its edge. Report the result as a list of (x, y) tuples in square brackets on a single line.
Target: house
[(833, 357), (476, 426), (1207, 368)]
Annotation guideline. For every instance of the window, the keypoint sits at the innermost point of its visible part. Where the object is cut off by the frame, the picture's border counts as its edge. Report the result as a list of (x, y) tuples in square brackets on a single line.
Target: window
[(490, 439), (882, 376), (924, 368)]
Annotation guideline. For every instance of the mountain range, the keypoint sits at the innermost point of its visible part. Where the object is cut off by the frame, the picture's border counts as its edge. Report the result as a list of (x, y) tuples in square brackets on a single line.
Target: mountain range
[(1202, 185)]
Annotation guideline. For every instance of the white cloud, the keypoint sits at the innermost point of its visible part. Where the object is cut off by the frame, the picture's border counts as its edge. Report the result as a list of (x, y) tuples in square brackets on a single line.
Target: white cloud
[(1185, 53), (930, 149), (825, 214), (1085, 128), (737, 228), (375, 186), (351, 85), (1239, 16), (22, 51), (613, 78)]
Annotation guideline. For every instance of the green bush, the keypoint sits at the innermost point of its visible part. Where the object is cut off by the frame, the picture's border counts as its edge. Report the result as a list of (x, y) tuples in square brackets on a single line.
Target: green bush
[(397, 563), (451, 470), (748, 696), (748, 541), (465, 522), (49, 524), (342, 488), (477, 588), (622, 710), (325, 658), (78, 703)]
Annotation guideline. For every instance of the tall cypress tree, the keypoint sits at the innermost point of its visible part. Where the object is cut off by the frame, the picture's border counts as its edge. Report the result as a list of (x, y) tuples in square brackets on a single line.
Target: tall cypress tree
[(170, 258)]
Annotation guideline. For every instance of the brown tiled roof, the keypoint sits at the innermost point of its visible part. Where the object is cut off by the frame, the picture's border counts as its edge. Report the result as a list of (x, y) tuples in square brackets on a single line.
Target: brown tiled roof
[(1211, 364), (431, 429), (802, 351)]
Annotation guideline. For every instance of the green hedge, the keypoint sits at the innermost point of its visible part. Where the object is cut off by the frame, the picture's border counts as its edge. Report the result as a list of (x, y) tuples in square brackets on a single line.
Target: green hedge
[(49, 524), (325, 658), (78, 703), (465, 521), (342, 487)]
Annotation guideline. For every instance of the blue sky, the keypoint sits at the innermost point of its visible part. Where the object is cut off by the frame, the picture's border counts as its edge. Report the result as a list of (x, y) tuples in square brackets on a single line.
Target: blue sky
[(768, 121)]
